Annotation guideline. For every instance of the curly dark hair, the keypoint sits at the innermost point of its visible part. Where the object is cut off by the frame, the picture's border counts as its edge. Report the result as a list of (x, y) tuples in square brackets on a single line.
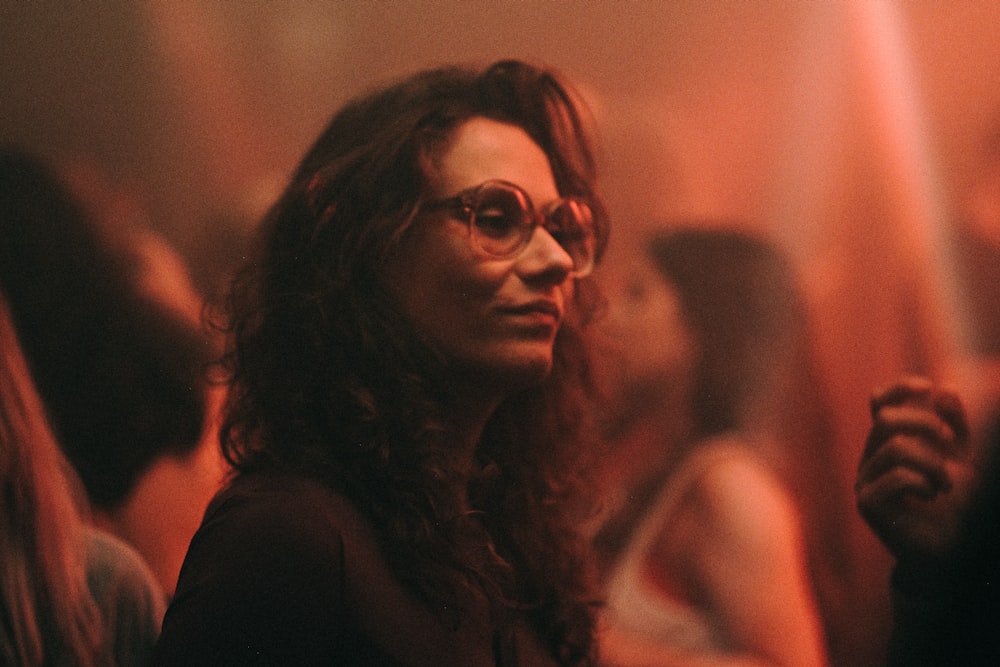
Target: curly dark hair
[(328, 378)]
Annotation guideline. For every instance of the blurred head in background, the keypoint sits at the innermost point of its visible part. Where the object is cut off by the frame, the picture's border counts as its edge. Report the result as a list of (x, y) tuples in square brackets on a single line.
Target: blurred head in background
[(112, 334)]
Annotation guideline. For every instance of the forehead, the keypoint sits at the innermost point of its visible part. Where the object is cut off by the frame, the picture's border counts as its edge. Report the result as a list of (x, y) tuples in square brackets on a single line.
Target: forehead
[(481, 149)]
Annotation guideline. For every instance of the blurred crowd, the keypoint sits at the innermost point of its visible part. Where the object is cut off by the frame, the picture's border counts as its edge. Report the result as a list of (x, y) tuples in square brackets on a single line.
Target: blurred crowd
[(157, 405)]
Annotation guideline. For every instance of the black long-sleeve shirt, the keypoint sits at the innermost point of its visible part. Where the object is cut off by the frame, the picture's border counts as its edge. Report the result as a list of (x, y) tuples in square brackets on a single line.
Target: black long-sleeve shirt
[(285, 571)]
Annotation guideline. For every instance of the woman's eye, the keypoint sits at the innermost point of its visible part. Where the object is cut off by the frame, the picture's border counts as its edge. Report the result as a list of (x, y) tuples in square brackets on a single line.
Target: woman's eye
[(567, 234), (496, 221)]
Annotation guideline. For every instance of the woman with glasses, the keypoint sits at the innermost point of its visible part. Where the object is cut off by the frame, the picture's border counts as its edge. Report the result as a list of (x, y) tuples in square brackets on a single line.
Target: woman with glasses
[(408, 370)]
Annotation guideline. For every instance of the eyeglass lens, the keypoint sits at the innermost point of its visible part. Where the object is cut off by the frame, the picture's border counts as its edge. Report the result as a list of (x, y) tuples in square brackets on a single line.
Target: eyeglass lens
[(503, 220)]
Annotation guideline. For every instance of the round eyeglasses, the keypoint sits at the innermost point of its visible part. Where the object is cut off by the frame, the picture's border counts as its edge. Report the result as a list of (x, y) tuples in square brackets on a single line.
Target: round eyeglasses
[(501, 220)]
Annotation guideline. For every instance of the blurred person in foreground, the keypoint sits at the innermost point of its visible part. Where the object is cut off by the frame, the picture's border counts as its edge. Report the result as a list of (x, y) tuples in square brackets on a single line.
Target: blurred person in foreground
[(928, 481), (70, 595), (112, 333), (929, 488)]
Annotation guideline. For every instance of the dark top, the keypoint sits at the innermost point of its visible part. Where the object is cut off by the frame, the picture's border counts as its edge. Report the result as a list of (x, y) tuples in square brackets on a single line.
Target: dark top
[(285, 571), (947, 613)]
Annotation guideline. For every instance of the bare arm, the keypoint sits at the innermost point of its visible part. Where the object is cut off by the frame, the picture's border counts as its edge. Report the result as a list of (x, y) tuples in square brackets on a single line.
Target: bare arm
[(737, 540), (749, 558)]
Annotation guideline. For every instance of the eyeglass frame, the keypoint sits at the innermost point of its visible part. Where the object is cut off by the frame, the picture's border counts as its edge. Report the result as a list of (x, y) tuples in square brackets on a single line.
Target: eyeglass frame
[(539, 217)]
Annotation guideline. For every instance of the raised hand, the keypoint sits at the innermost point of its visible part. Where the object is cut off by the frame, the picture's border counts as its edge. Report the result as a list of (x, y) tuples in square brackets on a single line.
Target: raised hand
[(916, 473)]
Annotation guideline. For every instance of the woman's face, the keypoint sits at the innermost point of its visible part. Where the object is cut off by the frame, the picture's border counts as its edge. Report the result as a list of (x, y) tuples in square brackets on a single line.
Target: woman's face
[(495, 319), (646, 326)]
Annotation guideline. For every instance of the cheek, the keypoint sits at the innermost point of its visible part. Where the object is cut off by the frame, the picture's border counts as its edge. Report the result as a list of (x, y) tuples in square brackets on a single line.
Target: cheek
[(441, 288), (453, 275)]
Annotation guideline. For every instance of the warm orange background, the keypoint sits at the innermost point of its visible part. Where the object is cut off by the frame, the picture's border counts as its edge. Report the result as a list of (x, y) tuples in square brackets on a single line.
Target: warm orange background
[(853, 133)]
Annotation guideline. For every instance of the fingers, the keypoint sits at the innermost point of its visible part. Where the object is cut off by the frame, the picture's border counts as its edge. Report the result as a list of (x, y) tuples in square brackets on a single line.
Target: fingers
[(912, 518), (909, 388), (916, 422), (951, 409), (917, 428), (912, 476), (915, 406), (905, 463)]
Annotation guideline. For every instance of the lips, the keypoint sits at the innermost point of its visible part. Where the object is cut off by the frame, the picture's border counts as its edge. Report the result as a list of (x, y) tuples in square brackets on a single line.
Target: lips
[(541, 316), (540, 307)]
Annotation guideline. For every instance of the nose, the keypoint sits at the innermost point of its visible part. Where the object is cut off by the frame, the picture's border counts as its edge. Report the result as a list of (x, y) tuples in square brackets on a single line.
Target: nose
[(544, 259)]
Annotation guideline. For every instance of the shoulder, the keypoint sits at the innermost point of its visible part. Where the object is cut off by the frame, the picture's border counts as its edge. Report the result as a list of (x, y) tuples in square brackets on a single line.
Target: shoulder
[(736, 525), (728, 472), (117, 573), (278, 521), (264, 575), (128, 596), (732, 492), (278, 499)]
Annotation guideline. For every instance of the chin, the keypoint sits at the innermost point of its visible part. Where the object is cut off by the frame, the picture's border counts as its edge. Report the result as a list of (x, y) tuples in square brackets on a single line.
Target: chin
[(534, 363)]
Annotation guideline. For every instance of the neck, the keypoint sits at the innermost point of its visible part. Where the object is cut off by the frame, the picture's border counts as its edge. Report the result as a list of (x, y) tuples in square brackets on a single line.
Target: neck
[(466, 417)]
